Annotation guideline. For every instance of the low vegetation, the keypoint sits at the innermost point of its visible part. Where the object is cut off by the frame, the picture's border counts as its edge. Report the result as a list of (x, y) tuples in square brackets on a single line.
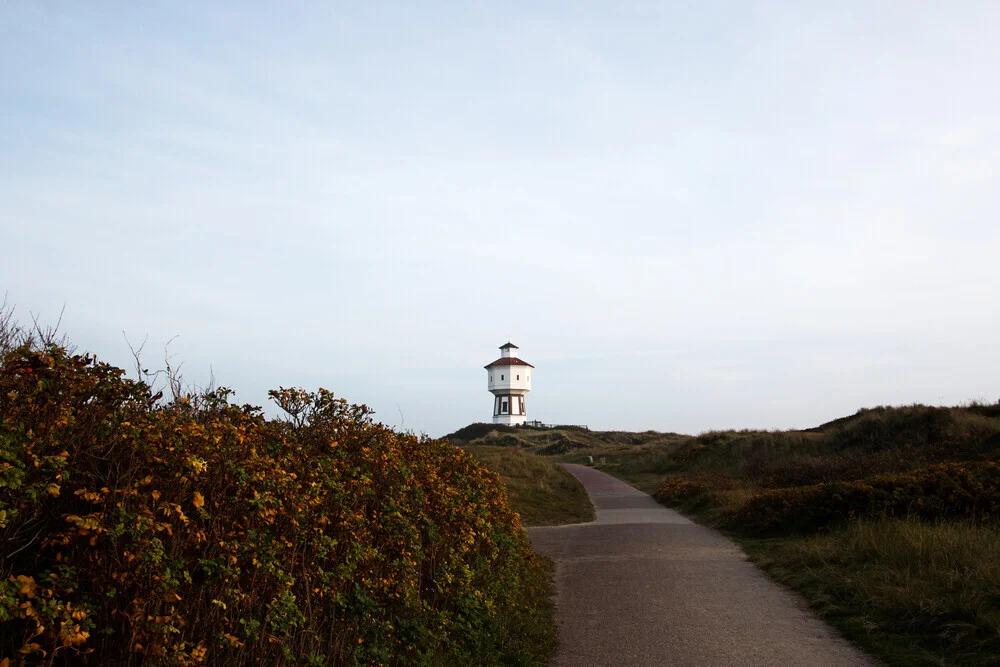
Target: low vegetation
[(635, 457), (887, 520), (541, 492), (912, 592), (184, 531)]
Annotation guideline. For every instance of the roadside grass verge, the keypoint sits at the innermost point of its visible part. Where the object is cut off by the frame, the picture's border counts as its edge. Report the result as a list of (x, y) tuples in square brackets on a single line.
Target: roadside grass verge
[(540, 491)]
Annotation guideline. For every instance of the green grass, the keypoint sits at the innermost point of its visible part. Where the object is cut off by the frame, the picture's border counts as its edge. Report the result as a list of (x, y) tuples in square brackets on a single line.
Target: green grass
[(540, 491), (910, 592)]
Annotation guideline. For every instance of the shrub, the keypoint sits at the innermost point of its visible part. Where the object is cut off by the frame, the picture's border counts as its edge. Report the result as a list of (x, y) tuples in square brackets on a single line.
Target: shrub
[(477, 430), (676, 490), (808, 470), (692, 492), (556, 442), (948, 490), (496, 439), (197, 531)]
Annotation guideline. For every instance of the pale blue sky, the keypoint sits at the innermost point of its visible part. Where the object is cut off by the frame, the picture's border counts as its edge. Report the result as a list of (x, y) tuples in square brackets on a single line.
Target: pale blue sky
[(688, 215)]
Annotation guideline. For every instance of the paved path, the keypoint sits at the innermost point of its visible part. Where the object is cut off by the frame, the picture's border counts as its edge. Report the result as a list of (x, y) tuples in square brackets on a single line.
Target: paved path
[(642, 585)]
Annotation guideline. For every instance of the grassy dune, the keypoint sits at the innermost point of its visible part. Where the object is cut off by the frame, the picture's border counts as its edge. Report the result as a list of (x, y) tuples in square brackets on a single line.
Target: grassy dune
[(887, 521), (541, 492)]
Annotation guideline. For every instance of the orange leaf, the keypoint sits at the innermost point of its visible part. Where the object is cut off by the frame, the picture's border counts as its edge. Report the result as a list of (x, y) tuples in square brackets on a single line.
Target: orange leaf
[(199, 500)]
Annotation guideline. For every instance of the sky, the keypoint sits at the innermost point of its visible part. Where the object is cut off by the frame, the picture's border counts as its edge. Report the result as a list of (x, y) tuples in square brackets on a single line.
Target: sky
[(689, 216)]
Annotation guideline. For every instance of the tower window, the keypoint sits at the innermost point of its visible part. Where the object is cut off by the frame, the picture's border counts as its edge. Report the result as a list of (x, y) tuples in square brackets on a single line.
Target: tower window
[(518, 377), (501, 377)]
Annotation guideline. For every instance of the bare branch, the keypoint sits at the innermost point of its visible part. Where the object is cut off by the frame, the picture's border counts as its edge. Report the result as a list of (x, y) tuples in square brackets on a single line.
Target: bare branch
[(136, 354)]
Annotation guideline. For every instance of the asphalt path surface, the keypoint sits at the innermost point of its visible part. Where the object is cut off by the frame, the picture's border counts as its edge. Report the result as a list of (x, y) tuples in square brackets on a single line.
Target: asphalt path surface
[(642, 585)]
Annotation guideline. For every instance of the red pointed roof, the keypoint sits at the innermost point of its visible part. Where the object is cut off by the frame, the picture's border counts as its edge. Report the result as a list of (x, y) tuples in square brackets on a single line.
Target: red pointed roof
[(508, 361)]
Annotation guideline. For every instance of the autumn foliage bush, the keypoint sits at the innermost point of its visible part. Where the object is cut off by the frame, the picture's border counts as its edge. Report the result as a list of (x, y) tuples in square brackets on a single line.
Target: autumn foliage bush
[(194, 531), (944, 491), (691, 491), (814, 469)]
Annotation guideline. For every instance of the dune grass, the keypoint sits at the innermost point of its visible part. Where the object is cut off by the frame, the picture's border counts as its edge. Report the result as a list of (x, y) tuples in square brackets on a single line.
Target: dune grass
[(540, 491), (910, 592)]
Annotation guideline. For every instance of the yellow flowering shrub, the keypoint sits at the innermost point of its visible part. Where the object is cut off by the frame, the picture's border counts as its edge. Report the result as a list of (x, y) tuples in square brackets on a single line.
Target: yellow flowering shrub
[(200, 532)]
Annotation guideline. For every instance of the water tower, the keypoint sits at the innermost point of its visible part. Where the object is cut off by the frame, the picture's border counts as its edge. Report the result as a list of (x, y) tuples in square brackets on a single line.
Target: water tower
[(509, 381)]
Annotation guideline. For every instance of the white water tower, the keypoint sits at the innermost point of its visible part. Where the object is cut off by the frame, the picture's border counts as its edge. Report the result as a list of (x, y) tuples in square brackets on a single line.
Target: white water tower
[(509, 381)]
